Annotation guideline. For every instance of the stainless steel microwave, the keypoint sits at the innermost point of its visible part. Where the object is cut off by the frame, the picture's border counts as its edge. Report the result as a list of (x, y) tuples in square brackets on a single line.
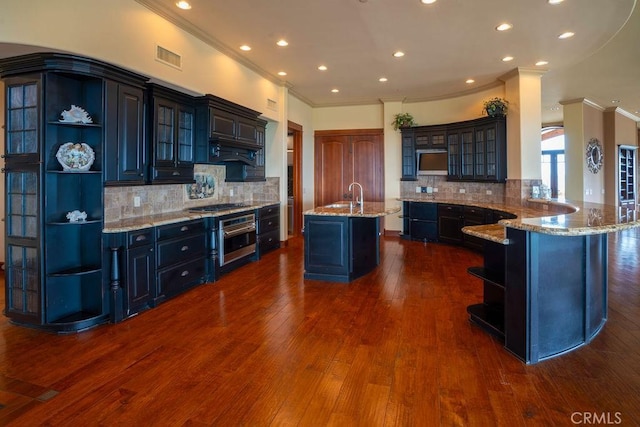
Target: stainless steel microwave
[(431, 162)]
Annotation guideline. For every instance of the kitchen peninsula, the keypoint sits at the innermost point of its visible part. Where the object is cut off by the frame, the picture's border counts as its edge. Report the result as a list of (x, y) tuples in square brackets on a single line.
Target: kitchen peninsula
[(341, 241), (544, 273)]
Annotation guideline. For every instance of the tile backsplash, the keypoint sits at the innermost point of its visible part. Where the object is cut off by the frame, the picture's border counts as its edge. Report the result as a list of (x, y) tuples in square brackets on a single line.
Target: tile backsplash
[(157, 199)]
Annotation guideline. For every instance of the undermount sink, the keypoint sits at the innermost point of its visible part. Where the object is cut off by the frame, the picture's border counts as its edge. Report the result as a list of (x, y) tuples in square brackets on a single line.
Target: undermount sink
[(338, 205)]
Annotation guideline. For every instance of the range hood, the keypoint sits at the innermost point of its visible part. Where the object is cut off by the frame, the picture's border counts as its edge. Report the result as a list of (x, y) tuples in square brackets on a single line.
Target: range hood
[(223, 150)]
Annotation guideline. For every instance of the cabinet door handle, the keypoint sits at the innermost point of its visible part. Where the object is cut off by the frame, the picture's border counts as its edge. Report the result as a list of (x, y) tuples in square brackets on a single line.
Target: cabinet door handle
[(175, 173), (141, 237), (184, 248), (184, 228), (184, 273)]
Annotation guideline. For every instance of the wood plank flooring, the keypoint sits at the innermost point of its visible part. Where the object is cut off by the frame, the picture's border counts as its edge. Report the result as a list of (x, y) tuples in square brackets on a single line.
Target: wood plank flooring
[(264, 347)]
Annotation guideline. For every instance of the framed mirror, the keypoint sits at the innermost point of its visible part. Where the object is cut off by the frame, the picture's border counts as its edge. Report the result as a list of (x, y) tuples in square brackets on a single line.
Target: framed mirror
[(595, 155)]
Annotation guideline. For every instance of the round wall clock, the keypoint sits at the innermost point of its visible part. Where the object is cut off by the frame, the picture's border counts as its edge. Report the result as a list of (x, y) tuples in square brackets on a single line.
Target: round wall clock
[(595, 155)]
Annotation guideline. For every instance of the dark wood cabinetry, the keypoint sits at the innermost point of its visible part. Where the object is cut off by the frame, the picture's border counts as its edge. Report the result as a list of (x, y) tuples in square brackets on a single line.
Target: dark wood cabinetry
[(267, 229), (173, 135), (180, 257), (627, 176), (476, 149), (450, 222), (472, 215), (140, 270), (231, 135), (61, 290), (125, 161), (420, 221), (340, 249)]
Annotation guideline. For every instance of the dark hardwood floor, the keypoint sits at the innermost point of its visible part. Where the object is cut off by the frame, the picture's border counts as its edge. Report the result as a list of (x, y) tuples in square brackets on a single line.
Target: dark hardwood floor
[(264, 347)]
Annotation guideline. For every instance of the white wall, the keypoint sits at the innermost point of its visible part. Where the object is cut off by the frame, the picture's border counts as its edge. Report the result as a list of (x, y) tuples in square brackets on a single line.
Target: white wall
[(302, 114)]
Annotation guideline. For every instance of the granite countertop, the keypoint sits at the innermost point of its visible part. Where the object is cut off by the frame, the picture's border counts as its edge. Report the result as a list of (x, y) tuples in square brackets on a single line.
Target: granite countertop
[(141, 222), (579, 218), (343, 208)]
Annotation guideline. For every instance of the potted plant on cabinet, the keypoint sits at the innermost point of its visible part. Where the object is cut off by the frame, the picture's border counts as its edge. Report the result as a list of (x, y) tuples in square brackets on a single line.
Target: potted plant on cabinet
[(402, 120), (496, 107)]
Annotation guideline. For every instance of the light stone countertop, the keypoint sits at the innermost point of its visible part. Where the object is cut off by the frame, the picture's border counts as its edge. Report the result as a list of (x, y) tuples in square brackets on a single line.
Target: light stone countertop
[(579, 219), (141, 222), (343, 208)]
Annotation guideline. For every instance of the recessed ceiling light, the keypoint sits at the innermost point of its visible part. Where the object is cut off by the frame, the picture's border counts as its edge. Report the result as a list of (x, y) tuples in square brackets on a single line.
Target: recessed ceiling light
[(540, 63), (555, 1), (427, 1), (504, 27), (282, 73), (566, 35), (184, 5), (398, 54), (469, 81), (507, 58), (382, 79), (245, 47), (322, 68), (282, 43), (335, 90)]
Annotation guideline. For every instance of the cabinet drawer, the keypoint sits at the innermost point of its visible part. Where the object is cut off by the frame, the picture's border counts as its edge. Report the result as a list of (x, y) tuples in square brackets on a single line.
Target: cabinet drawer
[(266, 225), (269, 241), (179, 229), (173, 174), (140, 238), (449, 210), (474, 214), (269, 211), (423, 210), (180, 277), (177, 250)]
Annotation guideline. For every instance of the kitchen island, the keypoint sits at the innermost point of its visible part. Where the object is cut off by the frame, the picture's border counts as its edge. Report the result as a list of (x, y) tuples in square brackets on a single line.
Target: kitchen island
[(341, 241), (545, 278)]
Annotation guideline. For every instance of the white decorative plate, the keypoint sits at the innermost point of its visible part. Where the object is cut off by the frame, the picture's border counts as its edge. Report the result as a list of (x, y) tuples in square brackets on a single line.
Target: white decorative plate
[(75, 115), (75, 156)]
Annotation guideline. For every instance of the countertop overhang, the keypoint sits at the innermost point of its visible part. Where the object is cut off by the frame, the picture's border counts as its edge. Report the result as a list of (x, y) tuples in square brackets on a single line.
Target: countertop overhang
[(579, 219), (343, 208)]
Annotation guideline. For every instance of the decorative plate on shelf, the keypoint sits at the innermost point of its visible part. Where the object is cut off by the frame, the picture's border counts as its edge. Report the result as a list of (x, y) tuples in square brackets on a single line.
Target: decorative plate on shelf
[(75, 156), (75, 114)]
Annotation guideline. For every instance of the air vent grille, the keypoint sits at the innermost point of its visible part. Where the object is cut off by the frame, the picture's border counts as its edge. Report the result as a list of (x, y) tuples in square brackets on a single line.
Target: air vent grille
[(167, 57)]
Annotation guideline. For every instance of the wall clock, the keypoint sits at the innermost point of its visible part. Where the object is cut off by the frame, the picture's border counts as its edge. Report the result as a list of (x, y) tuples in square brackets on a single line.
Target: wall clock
[(594, 155)]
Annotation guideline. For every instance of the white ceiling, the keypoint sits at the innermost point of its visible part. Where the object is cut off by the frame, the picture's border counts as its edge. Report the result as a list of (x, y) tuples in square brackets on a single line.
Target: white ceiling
[(445, 44)]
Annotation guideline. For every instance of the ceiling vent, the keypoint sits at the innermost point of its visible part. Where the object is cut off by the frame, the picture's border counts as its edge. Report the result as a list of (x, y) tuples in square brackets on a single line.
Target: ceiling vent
[(167, 57), (272, 105)]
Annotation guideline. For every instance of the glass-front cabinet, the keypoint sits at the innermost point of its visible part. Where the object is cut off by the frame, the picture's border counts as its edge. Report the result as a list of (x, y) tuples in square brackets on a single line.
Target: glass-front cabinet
[(55, 134)]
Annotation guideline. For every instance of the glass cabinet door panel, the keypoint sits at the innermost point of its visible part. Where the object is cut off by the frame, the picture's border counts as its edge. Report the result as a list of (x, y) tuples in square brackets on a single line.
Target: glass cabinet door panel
[(22, 119), (22, 204), (185, 136), (164, 133), (22, 282), (466, 145), (480, 148), (492, 159)]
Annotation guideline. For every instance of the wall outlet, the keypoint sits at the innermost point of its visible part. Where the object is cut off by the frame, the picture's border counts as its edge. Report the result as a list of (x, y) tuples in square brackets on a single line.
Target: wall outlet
[(418, 189), (489, 192), (136, 201), (429, 190), (462, 191), (435, 189), (231, 192)]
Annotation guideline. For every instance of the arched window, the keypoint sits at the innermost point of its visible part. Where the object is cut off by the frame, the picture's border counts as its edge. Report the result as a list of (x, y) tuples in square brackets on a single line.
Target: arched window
[(553, 161)]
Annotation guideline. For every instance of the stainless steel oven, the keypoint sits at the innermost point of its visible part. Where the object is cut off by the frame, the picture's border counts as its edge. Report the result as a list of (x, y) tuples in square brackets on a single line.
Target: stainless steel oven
[(237, 237)]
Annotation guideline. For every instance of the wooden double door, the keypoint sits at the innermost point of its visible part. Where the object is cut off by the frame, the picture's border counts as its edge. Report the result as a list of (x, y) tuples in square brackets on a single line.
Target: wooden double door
[(345, 156)]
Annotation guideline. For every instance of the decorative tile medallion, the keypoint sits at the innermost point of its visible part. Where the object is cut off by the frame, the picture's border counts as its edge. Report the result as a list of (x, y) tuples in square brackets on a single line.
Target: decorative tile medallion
[(203, 188)]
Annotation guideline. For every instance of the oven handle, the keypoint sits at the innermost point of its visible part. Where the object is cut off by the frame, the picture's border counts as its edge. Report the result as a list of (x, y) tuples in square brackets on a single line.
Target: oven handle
[(237, 231)]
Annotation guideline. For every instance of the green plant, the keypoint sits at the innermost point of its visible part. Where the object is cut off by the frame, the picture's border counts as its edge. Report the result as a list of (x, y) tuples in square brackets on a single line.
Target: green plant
[(496, 107), (402, 120)]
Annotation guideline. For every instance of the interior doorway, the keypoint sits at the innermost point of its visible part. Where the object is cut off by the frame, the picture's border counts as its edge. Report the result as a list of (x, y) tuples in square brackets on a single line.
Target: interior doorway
[(294, 179), (553, 160)]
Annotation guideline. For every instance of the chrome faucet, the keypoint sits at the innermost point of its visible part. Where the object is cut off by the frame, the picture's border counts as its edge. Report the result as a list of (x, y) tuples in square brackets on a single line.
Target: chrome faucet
[(361, 200)]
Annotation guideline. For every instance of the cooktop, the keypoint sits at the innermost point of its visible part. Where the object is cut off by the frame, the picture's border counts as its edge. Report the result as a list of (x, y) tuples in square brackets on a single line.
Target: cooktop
[(219, 207)]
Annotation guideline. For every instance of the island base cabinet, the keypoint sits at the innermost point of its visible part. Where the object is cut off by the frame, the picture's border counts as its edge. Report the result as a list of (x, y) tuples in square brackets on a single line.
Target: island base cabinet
[(555, 293), (340, 249)]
